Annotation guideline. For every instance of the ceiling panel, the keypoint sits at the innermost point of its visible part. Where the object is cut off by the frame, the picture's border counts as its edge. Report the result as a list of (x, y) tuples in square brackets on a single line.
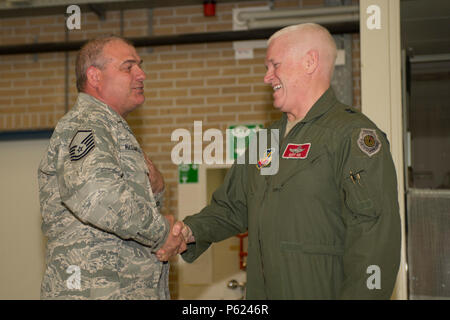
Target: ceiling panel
[(425, 26)]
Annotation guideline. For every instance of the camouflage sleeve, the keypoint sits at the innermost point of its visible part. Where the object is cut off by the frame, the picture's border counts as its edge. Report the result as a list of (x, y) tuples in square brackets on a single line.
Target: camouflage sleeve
[(100, 190), (371, 215), (159, 198)]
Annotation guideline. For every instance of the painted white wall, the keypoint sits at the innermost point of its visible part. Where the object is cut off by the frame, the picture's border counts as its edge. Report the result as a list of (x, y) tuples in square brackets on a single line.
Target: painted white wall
[(381, 92), (208, 276), (22, 245)]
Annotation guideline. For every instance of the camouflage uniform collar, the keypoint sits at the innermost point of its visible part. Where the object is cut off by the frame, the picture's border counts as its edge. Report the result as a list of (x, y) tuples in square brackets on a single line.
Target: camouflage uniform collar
[(92, 102), (320, 107)]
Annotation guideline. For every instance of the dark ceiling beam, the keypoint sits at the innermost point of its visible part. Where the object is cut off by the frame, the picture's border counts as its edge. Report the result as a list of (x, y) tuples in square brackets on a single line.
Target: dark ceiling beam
[(29, 11), (99, 10), (193, 38)]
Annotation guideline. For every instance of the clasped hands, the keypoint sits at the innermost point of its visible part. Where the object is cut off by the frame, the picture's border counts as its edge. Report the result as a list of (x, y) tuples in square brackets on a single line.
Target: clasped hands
[(179, 236)]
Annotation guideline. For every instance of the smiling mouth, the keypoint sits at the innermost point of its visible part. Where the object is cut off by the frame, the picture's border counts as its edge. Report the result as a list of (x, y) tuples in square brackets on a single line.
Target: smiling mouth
[(277, 87)]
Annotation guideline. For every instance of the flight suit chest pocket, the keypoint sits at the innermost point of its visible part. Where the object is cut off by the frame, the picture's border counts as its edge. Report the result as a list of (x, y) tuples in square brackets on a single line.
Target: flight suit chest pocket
[(301, 171)]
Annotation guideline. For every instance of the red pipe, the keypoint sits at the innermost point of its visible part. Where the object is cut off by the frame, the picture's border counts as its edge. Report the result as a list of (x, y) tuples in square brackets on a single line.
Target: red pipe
[(242, 254)]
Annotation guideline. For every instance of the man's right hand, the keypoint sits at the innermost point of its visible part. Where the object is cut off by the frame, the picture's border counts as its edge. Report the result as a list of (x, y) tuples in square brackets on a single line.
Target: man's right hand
[(185, 231), (174, 244), (178, 232)]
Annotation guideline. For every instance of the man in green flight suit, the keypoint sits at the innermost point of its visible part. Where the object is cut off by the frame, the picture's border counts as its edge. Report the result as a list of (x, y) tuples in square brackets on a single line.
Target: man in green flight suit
[(327, 224)]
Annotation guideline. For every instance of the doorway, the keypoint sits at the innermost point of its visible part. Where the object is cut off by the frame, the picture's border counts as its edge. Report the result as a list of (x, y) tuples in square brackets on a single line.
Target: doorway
[(426, 103)]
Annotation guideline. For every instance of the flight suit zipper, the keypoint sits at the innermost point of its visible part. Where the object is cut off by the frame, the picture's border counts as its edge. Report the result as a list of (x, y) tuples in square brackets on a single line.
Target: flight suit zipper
[(285, 139), (266, 188)]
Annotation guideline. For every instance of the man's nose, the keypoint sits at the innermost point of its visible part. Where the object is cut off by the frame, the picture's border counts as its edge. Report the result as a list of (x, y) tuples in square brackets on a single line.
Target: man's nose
[(268, 77), (140, 76)]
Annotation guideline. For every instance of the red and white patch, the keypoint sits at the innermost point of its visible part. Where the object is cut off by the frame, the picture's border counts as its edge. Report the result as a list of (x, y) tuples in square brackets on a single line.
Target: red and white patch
[(296, 151)]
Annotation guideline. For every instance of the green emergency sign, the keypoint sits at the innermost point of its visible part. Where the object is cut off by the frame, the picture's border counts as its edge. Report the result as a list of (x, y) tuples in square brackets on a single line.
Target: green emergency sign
[(188, 173)]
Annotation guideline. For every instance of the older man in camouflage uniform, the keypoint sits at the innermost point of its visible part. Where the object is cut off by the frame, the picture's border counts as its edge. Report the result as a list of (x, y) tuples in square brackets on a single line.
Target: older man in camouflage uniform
[(100, 195)]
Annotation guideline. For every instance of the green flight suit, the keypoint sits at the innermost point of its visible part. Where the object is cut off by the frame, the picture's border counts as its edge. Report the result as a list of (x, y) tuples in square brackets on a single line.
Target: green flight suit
[(326, 225)]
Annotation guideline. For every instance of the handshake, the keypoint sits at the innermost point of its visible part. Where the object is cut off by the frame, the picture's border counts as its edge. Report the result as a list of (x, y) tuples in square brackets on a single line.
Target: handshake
[(179, 236)]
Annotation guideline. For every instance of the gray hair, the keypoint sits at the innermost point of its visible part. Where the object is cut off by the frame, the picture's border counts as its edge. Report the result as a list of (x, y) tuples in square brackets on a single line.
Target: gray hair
[(318, 31), (91, 54)]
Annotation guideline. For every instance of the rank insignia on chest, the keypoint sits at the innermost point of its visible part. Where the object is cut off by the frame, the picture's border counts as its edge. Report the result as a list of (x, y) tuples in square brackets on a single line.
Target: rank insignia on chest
[(368, 142), (265, 160), (296, 151), (81, 144)]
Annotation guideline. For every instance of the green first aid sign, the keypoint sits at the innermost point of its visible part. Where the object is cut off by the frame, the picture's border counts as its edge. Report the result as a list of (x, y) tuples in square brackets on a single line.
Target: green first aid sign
[(240, 136), (188, 173)]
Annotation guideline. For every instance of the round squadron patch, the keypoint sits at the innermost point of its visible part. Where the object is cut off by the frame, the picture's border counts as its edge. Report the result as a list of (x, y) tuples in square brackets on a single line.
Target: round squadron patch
[(368, 142)]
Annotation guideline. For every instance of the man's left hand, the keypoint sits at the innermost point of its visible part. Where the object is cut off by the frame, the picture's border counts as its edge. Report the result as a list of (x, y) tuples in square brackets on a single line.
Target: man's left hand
[(155, 177)]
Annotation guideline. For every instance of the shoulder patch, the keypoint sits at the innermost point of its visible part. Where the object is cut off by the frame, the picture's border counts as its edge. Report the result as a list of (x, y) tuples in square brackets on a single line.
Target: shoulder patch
[(368, 142), (82, 143)]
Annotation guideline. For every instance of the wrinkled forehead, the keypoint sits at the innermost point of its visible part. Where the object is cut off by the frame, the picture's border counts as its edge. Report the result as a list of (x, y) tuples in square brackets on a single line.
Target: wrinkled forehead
[(284, 45), (118, 51)]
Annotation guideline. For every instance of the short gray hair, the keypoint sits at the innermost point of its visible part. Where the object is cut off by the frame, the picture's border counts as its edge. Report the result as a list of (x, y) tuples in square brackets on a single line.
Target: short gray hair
[(91, 54), (316, 29)]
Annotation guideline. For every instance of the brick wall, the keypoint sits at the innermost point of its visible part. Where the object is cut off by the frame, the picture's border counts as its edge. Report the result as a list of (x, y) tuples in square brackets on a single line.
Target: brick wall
[(184, 82), (356, 69)]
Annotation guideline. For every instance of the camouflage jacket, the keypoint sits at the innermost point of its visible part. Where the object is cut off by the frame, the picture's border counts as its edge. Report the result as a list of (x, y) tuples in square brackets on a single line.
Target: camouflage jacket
[(99, 214)]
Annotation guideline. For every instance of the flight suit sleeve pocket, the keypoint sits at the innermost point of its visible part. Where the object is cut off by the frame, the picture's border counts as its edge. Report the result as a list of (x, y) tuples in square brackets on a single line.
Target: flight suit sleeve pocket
[(358, 199)]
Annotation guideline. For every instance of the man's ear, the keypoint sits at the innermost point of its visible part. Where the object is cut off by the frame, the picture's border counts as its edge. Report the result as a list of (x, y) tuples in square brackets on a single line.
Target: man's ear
[(311, 61), (93, 76)]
